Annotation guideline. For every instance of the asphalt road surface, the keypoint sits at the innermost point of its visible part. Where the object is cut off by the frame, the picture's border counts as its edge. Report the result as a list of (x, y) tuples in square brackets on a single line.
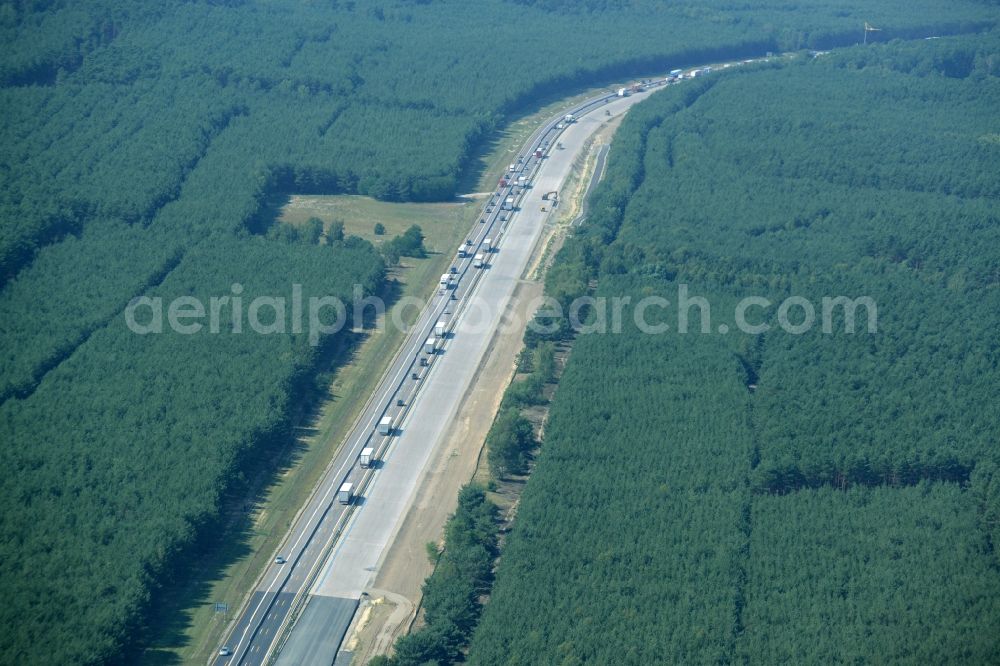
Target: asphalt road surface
[(333, 549)]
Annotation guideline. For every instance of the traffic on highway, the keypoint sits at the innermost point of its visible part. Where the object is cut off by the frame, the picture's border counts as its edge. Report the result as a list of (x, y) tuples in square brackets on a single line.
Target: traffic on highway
[(256, 633)]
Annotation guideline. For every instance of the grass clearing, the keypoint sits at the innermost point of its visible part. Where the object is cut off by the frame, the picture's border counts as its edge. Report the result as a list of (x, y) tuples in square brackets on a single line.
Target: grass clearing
[(442, 223)]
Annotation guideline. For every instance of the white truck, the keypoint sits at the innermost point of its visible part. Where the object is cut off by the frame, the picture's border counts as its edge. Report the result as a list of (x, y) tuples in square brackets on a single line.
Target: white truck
[(480, 260), (445, 280), (522, 182), (367, 457), (569, 118), (346, 493), (623, 92), (487, 245), (508, 203), (439, 329), (385, 425), (430, 346)]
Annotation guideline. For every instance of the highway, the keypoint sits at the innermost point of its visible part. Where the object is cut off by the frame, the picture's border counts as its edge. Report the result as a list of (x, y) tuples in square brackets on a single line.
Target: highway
[(333, 549)]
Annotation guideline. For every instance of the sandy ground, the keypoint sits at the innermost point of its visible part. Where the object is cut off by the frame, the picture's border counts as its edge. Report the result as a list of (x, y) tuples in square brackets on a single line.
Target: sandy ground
[(383, 619)]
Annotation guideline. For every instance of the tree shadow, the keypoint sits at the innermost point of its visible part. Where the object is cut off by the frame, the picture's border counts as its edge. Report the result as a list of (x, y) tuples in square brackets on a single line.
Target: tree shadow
[(219, 544), (269, 212)]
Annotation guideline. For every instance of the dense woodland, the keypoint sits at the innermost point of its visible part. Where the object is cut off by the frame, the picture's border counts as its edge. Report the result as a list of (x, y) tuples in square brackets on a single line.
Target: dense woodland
[(341, 97), (140, 143), (779, 498), (453, 594), (128, 446)]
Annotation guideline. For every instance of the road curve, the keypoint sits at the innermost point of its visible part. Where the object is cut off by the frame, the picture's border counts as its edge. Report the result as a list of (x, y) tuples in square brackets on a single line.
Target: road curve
[(255, 634)]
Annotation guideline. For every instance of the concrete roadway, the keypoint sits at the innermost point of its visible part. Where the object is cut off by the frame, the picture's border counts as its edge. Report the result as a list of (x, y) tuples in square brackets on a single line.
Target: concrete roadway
[(333, 550)]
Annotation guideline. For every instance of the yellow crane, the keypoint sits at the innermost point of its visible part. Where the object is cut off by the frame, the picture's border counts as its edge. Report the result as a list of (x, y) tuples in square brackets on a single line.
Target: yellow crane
[(870, 28)]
